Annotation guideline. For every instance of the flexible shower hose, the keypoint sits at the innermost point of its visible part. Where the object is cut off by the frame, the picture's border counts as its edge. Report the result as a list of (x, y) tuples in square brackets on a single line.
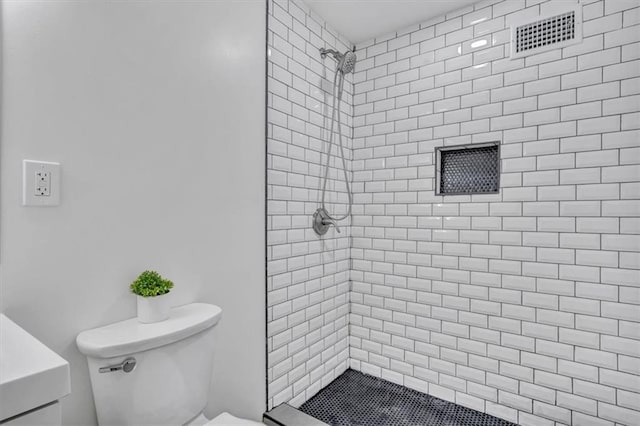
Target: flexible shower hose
[(338, 85)]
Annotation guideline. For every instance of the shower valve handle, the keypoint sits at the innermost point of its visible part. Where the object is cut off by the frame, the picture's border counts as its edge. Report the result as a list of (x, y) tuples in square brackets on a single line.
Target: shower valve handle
[(322, 221), (327, 221)]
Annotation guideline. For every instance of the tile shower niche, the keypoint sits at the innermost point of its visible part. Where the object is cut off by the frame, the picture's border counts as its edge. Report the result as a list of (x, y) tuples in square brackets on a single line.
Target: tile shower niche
[(468, 169)]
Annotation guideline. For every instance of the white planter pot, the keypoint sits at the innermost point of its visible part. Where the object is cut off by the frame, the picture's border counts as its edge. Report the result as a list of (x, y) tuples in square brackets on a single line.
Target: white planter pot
[(153, 309)]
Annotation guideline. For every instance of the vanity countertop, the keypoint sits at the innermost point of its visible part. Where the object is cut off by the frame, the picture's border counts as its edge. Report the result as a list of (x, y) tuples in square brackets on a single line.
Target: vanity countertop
[(31, 374)]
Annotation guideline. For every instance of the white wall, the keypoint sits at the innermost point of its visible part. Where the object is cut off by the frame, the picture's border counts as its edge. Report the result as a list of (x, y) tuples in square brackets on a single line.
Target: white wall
[(523, 304), (156, 112), (308, 282)]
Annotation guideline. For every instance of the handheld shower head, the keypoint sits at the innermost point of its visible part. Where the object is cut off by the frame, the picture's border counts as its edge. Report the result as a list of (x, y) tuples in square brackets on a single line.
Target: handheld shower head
[(347, 62)]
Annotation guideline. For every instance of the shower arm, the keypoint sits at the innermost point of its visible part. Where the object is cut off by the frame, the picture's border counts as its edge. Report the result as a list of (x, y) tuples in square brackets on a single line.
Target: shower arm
[(334, 54)]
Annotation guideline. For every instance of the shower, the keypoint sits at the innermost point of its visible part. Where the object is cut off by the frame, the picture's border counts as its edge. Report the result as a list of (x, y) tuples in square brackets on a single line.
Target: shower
[(345, 63)]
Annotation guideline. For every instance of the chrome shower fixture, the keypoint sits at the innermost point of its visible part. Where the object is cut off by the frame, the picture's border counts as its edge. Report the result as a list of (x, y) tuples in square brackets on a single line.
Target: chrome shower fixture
[(346, 61)]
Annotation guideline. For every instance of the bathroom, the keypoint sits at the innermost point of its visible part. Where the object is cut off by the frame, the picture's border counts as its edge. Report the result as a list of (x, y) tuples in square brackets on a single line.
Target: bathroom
[(194, 138)]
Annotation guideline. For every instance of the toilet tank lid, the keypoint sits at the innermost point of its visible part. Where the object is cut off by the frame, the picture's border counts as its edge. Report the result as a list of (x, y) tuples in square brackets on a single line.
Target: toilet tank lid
[(131, 336)]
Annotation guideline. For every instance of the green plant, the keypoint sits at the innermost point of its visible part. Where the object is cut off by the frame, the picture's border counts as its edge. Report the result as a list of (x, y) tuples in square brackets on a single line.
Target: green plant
[(150, 284)]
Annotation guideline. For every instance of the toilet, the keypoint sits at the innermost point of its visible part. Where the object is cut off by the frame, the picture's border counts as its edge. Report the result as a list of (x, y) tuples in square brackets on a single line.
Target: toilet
[(155, 374)]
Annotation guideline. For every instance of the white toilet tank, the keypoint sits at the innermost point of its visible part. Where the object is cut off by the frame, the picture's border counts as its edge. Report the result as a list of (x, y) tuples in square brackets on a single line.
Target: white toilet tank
[(173, 359)]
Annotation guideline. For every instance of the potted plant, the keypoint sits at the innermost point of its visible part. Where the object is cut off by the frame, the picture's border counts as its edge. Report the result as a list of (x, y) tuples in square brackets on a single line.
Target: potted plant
[(150, 289)]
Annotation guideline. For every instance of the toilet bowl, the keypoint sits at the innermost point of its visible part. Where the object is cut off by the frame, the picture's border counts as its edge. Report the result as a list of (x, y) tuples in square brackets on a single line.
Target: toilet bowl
[(155, 374)]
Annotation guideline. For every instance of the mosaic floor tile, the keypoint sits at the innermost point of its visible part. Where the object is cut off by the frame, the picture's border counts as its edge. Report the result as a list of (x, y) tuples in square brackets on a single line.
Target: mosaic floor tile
[(356, 399)]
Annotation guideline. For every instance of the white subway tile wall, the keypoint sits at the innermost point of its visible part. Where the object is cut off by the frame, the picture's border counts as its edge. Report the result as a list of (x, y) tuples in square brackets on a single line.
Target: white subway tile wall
[(523, 304), (308, 276)]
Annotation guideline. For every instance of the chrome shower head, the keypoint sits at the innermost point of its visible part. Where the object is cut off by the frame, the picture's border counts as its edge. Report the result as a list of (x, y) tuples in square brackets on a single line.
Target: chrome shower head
[(346, 61)]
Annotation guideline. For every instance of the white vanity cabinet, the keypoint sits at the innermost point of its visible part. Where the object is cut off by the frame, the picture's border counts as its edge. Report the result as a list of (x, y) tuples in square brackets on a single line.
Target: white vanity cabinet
[(33, 379), (49, 415)]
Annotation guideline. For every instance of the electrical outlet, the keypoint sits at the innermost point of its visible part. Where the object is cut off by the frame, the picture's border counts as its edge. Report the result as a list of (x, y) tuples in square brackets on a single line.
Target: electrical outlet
[(40, 183), (43, 184)]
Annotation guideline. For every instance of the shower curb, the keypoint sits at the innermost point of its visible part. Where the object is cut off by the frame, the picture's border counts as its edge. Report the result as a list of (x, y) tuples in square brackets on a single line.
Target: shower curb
[(286, 415)]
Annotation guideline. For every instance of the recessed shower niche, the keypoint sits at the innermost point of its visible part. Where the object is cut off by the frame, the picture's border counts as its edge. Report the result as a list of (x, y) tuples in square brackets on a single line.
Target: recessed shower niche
[(468, 169)]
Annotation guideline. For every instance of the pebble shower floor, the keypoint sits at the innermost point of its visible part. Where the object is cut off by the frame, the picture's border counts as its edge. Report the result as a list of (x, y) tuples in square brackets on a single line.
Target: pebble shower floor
[(356, 399)]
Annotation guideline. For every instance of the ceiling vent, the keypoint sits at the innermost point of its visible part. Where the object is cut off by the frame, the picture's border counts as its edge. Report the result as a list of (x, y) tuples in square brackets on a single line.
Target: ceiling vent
[(546, 33)]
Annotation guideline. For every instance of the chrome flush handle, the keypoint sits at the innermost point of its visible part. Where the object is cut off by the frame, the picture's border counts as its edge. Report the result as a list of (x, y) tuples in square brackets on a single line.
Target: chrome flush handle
[(128, 365)]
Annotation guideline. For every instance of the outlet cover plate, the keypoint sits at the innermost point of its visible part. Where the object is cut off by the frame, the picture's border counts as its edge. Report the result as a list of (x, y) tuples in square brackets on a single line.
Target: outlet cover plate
[(40, 194)]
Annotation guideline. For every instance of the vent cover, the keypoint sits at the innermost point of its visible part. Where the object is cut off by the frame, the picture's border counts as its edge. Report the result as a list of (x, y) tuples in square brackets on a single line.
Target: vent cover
[(546, 33), (468, 169)]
